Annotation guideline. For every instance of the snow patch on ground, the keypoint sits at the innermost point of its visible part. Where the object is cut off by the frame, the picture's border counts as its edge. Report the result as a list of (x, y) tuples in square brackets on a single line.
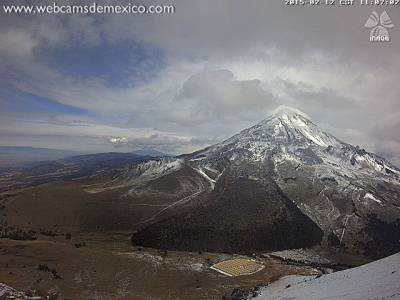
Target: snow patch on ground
[(306, 256), (372, 197), (198, 158), (202, 173), (376, 280), (160, 167)]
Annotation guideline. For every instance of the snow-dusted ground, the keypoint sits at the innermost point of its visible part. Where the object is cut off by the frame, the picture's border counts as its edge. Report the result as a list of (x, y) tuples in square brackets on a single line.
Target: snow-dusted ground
[(376, 280), (8, 293), (306, 256)]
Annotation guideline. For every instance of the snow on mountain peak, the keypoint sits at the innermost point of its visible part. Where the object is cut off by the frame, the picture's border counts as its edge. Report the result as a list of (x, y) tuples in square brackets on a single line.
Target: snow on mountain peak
[(284, 110), (295, 124)]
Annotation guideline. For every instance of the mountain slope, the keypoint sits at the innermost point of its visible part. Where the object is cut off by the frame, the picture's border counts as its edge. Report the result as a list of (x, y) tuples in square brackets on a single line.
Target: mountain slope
[(293, 172), (376, 280), (239, 215)]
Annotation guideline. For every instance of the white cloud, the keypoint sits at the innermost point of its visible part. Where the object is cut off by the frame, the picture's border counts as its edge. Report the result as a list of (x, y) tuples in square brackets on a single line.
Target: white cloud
[(118, 140)]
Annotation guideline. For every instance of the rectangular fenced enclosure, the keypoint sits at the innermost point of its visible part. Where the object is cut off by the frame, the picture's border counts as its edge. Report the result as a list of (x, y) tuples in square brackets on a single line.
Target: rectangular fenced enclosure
[(238, 267)]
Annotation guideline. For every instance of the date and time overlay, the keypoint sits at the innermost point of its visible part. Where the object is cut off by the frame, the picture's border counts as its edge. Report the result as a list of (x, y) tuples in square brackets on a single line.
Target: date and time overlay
[(379, 23)]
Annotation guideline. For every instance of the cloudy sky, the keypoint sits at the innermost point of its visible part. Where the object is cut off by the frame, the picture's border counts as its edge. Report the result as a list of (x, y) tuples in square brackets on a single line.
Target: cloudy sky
[(182, 81)]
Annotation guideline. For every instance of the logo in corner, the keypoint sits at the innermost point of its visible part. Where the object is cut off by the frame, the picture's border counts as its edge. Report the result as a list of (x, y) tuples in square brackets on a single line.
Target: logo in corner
[(379, 25)]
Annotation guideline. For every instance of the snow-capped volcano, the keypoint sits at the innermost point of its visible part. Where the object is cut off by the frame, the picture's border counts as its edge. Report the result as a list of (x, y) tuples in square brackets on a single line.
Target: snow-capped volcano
[(292, 134), (348, 193)]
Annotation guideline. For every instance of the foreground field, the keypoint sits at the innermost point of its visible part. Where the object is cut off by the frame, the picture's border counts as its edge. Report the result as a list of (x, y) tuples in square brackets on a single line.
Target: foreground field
[(94, 266)]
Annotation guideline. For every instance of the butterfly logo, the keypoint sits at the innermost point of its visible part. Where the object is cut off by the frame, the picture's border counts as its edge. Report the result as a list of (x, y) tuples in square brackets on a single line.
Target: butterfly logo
[(379, 24)]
